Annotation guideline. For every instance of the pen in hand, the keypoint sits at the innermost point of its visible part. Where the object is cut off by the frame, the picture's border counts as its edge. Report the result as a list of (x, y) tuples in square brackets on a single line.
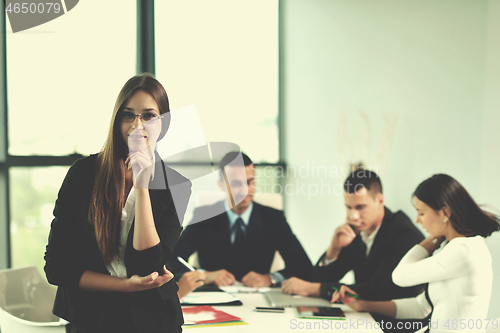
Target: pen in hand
[(188, 266), (185, 263), (347, 293)]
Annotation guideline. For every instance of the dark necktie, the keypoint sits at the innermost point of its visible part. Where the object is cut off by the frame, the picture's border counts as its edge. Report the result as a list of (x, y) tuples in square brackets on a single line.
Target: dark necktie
[(239, 267), (239, 237)]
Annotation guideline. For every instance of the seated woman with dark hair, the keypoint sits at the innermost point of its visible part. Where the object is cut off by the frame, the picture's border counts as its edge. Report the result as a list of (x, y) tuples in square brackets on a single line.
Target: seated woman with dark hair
[(459, 276)]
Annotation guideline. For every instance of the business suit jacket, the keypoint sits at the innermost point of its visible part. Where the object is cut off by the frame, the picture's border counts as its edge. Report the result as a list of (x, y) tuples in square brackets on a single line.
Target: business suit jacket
[(72, 249), (397, 235), (267, 231)]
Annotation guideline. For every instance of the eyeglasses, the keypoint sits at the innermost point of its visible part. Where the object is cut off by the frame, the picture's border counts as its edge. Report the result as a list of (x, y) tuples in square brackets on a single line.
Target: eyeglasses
[(148, 117)]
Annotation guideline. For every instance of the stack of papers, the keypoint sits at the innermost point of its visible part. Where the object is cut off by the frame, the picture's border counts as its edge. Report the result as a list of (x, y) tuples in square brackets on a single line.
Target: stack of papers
[(200, 316), (210, 298), (240, 288)]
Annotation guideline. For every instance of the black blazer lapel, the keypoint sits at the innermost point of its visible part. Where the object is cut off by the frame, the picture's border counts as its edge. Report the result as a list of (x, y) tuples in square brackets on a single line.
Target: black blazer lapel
[(380, 241), (223, 227), (255, 224), (160, 201)]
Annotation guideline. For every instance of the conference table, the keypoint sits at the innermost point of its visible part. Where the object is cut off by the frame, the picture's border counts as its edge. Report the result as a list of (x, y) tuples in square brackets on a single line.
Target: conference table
[(263, 322)]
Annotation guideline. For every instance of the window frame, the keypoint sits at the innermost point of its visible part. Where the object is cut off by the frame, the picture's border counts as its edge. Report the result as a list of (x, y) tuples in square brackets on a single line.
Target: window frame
[(145, 63)]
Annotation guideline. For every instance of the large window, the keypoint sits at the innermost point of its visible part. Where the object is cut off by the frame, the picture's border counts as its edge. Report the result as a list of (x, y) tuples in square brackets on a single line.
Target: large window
[(33, 193), (222, 56), (63, 78), (62, 81)]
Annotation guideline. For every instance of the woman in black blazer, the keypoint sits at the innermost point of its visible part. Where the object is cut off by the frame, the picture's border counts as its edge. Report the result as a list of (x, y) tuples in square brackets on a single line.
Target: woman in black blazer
[(116, 220)]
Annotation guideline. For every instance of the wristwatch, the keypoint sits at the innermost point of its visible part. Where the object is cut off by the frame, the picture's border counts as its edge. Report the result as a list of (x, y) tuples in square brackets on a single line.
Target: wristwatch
[(274, 280)]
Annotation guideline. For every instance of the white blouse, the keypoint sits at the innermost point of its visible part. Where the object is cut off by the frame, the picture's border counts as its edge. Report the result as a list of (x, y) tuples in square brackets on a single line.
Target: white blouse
[(460, 280), (117, 266)]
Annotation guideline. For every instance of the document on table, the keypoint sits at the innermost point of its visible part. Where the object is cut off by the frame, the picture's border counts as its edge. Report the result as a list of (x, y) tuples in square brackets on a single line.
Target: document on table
[(210, 298), (239, 287)]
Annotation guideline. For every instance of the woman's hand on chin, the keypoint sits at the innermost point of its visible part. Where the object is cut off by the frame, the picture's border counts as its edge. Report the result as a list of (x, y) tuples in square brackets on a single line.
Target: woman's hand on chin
[(141, 163)]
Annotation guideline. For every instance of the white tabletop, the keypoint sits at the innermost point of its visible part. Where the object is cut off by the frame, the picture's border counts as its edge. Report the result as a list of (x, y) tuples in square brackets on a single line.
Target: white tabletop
[(261, 322)]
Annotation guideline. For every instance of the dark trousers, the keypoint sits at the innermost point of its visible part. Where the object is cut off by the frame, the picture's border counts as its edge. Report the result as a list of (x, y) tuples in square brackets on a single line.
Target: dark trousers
[(119, 320)]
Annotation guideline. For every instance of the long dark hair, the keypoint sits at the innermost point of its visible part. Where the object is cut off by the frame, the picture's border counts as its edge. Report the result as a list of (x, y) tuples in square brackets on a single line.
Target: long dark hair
[(108, 196), (467, 218)]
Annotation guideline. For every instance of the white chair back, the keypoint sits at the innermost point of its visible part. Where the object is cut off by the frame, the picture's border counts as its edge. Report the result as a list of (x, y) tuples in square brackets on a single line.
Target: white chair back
[(26, 301)]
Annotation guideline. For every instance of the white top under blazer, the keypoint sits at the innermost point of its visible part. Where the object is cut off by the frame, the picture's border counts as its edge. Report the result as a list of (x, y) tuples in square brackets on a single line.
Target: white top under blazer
[(460, 280)]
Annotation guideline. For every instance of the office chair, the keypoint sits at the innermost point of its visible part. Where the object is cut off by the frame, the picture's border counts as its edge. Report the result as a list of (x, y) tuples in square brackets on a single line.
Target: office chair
[(26, 301)]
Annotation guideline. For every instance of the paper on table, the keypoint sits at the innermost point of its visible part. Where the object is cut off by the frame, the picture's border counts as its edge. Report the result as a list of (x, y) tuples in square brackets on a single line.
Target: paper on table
[(208, 297), (239, 287), (198, 317), (227, 323)]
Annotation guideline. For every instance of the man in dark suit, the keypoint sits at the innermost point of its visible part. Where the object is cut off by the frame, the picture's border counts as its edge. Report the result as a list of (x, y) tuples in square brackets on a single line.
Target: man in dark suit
[(371, 242), (236, 239)]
